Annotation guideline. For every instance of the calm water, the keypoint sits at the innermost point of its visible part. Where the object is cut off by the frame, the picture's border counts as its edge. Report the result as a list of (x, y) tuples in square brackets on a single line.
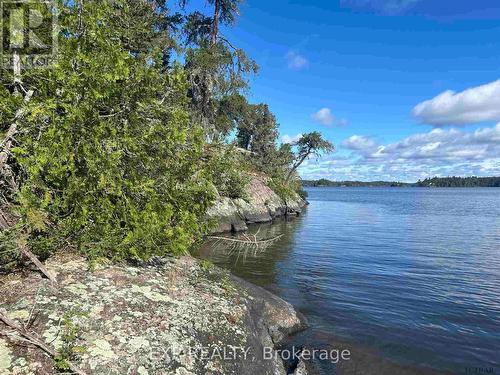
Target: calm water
[(412, 274)]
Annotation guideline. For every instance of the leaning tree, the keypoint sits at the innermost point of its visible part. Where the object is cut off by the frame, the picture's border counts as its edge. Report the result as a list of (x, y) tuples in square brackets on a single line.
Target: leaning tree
[(310, 144)]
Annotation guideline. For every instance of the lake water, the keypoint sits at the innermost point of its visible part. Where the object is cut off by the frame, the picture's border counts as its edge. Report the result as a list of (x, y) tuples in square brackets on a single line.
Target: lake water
[(410, 276)]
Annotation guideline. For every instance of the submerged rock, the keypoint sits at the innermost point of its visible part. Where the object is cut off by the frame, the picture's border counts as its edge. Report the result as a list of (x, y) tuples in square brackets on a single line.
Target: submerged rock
[(168, 316), (261, 206)]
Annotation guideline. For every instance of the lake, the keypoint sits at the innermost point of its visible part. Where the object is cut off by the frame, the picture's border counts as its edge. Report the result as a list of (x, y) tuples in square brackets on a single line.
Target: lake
[(409, 278)]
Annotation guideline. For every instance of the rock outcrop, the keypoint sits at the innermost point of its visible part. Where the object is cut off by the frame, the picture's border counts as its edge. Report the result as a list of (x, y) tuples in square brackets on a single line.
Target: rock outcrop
[(261, 206), (168, 316)]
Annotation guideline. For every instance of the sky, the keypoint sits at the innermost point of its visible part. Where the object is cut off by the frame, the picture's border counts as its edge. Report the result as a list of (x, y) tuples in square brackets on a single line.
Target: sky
[(405, 89)]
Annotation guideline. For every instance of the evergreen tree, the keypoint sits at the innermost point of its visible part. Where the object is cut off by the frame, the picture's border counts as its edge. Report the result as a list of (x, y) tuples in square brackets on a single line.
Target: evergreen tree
[(110, 161)]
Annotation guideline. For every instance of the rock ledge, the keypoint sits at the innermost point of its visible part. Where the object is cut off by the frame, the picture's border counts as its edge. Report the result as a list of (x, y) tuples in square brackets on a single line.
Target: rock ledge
[(263, 205), (169, 316)]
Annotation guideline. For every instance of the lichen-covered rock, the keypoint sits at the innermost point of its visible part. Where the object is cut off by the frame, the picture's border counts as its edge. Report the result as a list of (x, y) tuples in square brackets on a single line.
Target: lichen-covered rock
[(227, 215), (261, 206), (169, 316)]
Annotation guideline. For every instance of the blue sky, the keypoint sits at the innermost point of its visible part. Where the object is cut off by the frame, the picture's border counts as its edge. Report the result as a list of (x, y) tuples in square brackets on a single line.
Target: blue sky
[(357, 70)]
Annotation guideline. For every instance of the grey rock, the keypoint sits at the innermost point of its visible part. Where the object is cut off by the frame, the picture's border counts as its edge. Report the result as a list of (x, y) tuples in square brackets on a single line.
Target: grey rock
[(301, 369), (262, 205), (145, 319)]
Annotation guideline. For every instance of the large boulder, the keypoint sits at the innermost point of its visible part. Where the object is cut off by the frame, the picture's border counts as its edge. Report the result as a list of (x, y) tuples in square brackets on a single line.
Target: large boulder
[(261, 205), (168, 316)]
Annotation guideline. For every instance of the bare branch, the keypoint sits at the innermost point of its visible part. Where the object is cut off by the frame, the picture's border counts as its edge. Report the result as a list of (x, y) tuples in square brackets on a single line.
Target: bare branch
[(247, 240), (37, 263), (32, 339)]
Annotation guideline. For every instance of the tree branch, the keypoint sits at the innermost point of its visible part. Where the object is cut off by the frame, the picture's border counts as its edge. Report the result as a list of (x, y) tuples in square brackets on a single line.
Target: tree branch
[(34, 340), (37, 263)]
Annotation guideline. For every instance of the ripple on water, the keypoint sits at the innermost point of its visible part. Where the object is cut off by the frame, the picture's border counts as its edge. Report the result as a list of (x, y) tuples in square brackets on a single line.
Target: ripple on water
[(411, 273)]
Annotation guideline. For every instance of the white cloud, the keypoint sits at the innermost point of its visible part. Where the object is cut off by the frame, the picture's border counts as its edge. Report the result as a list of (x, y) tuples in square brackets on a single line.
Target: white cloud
[(295, 61), (324, 116), (288, 139), (360, 143), (471, 106), (440, 152)]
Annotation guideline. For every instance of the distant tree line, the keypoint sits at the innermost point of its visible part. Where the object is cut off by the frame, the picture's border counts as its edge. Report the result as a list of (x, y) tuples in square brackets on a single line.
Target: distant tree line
[(429, 182), (460, 182), (327, 183)]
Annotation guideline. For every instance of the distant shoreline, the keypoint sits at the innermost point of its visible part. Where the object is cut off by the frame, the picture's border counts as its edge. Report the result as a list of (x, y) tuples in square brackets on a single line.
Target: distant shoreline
[(440, 182)]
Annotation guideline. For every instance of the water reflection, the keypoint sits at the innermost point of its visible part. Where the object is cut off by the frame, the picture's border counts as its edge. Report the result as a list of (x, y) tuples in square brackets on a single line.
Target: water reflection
[(259, 266), (412, 274)]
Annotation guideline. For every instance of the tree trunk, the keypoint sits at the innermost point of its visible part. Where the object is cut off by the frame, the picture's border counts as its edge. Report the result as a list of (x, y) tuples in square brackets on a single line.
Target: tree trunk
[(215, 26), (7, 176), (34, 340), (296, 166)]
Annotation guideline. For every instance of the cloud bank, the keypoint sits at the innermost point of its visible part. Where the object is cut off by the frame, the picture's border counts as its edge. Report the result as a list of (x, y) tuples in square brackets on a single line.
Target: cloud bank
[(471, 106), (439, 152)]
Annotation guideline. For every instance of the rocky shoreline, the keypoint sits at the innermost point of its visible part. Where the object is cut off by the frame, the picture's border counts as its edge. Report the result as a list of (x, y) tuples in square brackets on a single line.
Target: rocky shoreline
[(167, 316), (262, 205), (170, 315)]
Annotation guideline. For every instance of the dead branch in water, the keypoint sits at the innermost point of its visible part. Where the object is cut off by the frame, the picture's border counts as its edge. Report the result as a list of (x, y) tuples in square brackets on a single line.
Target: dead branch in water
[(250, 240), (32, 339), (246, 242)]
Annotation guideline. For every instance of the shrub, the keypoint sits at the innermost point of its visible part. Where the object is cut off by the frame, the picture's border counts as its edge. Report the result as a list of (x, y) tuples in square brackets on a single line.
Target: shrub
[(110, 160), (227, 173)]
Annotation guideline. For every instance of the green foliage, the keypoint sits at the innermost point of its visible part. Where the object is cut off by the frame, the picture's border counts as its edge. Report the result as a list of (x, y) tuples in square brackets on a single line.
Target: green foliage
[(429, 182), (257, 131), (460, 182), (228, 10), (224, 11), (214, 73), (275, 162), (217, 70), (206, 265), (228, 286), (225, 171), (286, 190), (281, 188), (69, 350), (327, 183), (9, 253), (121, 151), (111, 161), (10, 104), (310, 144)]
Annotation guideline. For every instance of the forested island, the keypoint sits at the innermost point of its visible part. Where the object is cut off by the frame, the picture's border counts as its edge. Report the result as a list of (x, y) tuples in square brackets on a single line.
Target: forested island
[(460, 182), (429, 182)]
